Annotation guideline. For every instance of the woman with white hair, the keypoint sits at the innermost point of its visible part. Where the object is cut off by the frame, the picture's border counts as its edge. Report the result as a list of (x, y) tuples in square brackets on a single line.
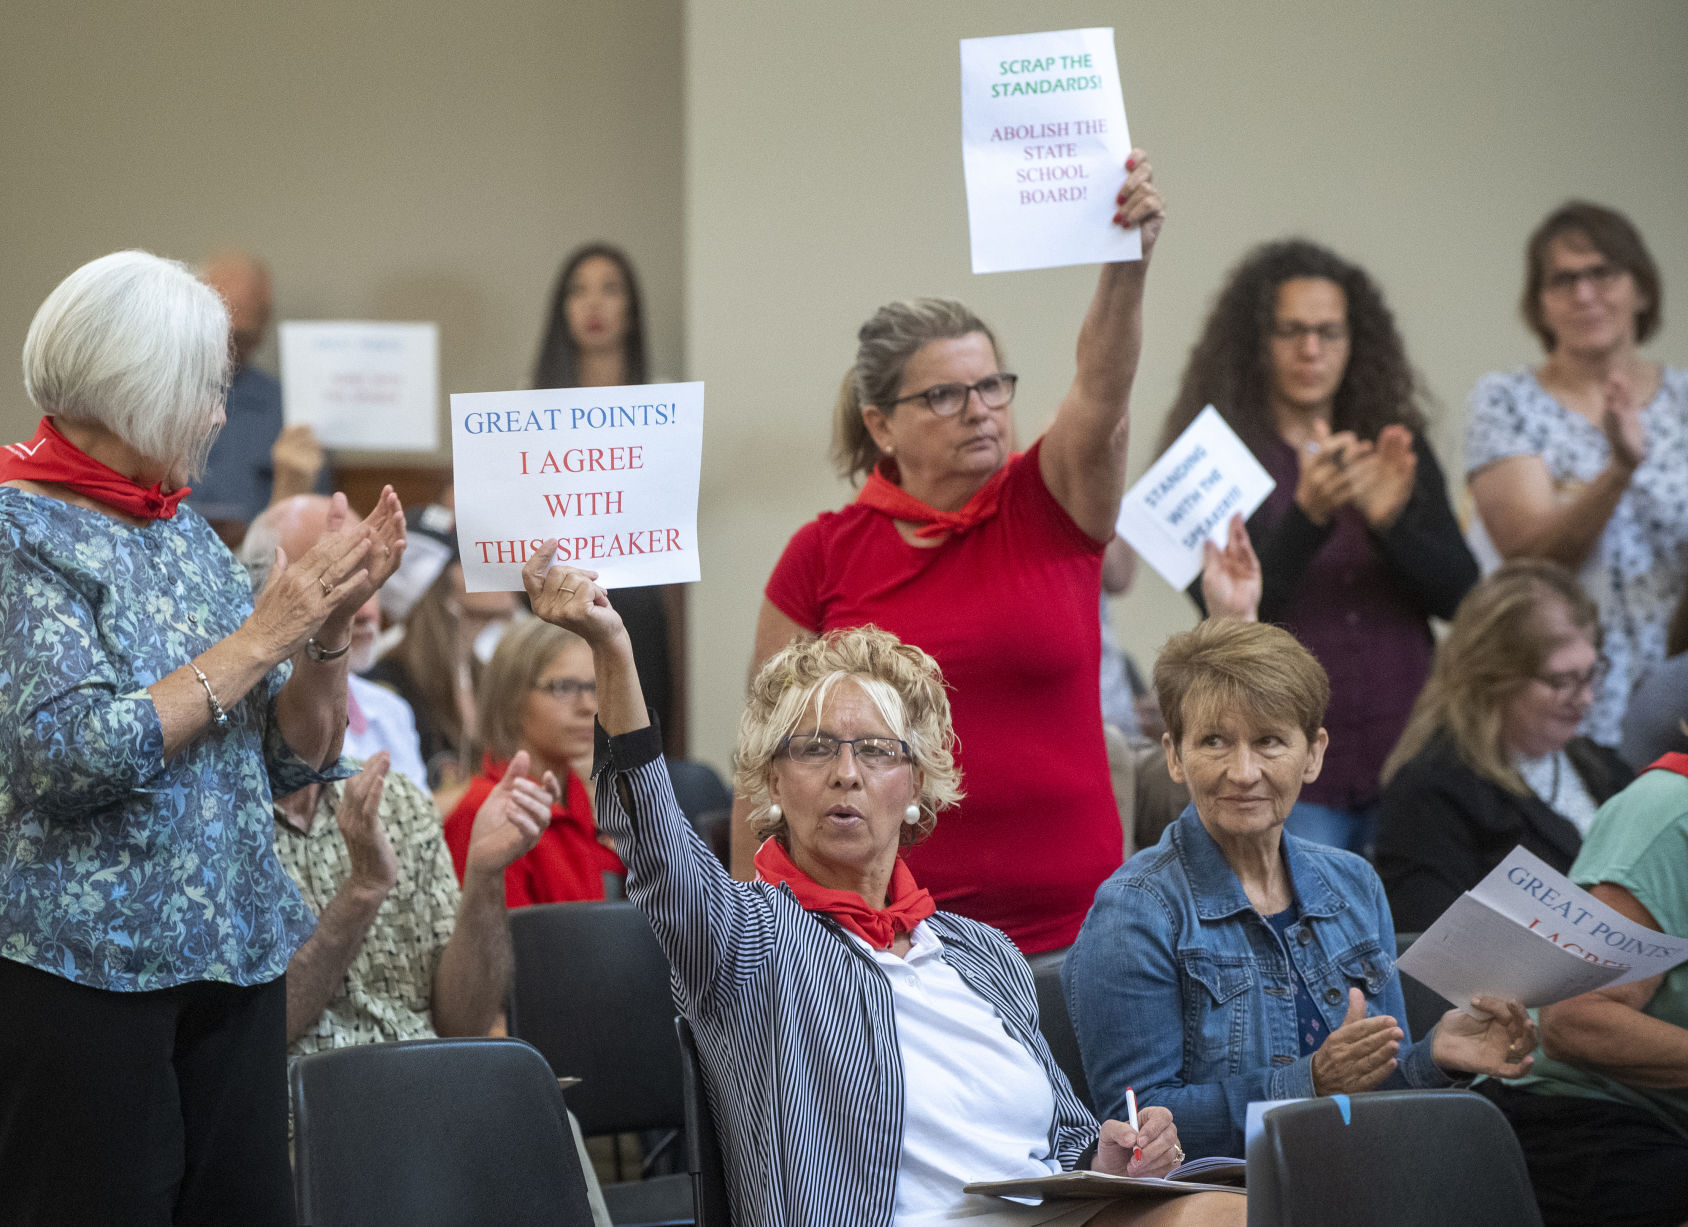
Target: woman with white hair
[(866, 1053), (148, 713)]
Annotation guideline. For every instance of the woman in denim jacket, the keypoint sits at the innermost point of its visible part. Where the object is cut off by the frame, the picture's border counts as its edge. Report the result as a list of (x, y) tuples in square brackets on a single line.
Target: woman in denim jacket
[(1231, 963)]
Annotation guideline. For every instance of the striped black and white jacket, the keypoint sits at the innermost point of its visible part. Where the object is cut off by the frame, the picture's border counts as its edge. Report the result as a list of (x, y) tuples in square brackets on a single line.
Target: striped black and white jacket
[(794, 1022)]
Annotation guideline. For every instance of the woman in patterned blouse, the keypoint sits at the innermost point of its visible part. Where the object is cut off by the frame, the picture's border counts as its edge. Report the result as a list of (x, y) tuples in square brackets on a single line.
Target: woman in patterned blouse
[(148, 712), (1584, 459)]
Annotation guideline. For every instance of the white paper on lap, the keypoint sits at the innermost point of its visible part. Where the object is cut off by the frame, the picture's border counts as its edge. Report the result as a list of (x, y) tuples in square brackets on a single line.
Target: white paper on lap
[(1044, 145), (1189, 495), (1528, 932), (611, 472), (372, 386)]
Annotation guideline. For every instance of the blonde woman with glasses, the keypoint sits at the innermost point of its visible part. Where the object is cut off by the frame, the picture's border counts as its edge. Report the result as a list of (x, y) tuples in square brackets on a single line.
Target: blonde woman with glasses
[(1491, 757)]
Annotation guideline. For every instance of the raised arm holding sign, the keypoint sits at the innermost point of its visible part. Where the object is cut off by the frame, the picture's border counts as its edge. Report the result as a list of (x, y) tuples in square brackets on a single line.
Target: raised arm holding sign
[(992, 563)]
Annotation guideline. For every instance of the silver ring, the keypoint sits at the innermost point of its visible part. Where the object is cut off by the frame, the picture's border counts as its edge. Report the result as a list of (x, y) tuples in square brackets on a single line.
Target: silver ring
[(327, 588)]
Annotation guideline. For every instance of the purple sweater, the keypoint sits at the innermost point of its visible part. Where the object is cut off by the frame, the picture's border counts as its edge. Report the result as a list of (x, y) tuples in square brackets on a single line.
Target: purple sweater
[(1361, 602)]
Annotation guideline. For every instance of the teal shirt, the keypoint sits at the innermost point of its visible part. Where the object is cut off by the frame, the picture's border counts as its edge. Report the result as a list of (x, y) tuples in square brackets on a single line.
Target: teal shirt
[(120, 869), (1639, 841)]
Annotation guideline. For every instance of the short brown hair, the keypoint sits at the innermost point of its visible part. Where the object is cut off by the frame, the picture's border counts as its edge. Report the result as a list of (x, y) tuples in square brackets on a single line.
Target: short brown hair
[(1611, 234), (884, 345), (522, 654), (1496, 643), (1253, 668), (903, 682)]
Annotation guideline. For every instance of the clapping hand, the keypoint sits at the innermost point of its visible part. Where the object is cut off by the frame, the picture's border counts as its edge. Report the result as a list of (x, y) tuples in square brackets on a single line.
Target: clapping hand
[(1622, 423), (1383, 480), (1328, 472), (1359, 1054), (375, 869), (1490, 1036), (511, 819)]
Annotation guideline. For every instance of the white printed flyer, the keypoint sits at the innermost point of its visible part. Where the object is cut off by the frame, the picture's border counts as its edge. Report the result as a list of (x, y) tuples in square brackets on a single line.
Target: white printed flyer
[(611, 472)]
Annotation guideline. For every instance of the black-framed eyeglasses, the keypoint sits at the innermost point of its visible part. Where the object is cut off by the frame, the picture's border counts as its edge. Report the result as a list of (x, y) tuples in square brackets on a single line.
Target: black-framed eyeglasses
[(567, 688), (948, 399), (1569, 683), (871, 753), (1601, 276), (1331, 333)]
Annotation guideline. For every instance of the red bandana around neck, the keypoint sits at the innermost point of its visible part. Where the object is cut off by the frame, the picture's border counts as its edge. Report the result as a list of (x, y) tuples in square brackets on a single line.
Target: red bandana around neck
[(1673, 761), (883, 494), (50, 457), (878, 927)]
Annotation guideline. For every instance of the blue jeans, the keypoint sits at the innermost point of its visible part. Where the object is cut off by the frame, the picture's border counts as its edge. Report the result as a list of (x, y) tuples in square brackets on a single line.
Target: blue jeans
[(1351, 830)]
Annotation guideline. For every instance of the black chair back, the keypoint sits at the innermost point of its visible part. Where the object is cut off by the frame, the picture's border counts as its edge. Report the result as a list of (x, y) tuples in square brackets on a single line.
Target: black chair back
[(591, 993), (430, 1132), (703, 1148), (1056, 1023), (1388, 1159)]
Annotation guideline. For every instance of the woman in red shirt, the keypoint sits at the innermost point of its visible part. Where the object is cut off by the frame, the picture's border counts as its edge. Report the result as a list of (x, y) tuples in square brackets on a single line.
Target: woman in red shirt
[(949, 540), (539, 695)]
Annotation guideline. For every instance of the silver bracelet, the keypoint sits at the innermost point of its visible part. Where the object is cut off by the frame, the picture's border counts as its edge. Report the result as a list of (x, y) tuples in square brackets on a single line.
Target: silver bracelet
[(316, 651), (219, 717)]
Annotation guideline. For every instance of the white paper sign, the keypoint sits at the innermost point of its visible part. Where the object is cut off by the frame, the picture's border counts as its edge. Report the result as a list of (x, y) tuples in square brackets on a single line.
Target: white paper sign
[(1528, 932), (611, 472), (1189, 495), (1043, 145), (374, 386)]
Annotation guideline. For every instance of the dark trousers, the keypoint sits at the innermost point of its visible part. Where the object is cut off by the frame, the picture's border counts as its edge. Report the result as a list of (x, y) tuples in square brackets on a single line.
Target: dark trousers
[(144, 1108), (1593, 1161)]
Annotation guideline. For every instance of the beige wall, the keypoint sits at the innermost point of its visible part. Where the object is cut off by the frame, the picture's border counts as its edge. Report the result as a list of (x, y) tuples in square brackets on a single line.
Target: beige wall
[(824, 177), (424, 160)]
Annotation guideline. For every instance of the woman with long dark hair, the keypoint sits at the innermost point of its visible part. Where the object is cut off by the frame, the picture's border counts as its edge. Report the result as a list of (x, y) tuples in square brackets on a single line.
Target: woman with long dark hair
[(1357, 544), (596, 338)]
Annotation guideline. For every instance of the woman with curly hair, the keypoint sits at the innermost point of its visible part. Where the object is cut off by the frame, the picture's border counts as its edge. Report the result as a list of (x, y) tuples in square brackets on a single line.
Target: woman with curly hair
[(1357, 543)]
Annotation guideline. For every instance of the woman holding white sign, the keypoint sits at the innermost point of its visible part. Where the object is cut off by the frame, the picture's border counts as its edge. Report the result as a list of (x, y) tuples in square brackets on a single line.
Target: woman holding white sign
[(1358, 545), (595, 338), (950, 536)]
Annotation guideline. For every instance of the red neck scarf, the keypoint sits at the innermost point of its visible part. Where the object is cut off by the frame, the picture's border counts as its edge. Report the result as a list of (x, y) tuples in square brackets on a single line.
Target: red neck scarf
[(878, 927), (1670, 762), (883, 494), (50, 457)]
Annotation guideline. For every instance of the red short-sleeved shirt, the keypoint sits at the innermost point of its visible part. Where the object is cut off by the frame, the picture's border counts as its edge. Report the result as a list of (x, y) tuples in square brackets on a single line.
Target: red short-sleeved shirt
[(567, 864), (1009, 611)]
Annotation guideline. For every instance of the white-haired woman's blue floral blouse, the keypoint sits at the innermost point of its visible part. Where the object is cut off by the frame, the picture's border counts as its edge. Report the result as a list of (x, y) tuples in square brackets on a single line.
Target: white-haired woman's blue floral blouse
[(118, 869)]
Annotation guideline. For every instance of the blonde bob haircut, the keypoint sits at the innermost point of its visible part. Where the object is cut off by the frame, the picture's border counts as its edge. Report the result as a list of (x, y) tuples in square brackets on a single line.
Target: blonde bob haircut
[(904, 685), (1251, 669), (138, 345), (1496, 644), (884, 345), (522, 655)]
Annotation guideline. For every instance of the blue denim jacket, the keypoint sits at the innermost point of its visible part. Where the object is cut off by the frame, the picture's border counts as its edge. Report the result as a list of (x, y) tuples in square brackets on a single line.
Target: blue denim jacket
[(1179, 989)]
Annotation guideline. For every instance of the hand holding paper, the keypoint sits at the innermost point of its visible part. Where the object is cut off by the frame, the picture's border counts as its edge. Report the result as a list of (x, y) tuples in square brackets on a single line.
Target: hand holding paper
[(1490, 1036), (1187, 497), (1231, 577)]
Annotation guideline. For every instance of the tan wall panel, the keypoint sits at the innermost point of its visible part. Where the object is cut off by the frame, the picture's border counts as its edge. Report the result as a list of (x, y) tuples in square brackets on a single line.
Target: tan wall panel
[(426, 160)]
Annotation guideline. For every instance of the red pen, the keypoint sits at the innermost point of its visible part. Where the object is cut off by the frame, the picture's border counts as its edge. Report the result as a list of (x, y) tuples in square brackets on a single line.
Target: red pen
[(1131, 1119)]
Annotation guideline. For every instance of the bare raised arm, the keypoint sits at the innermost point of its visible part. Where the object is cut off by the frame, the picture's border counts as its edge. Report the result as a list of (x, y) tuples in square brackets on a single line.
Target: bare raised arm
[(1083, 453)]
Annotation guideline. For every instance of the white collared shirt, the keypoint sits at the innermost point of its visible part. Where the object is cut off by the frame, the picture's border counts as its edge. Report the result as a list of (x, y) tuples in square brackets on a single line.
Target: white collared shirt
[(976, 1104)]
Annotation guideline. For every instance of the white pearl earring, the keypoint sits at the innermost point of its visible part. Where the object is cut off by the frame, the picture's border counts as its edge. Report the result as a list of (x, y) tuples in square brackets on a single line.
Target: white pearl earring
[(911, 815), (775, 812)]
